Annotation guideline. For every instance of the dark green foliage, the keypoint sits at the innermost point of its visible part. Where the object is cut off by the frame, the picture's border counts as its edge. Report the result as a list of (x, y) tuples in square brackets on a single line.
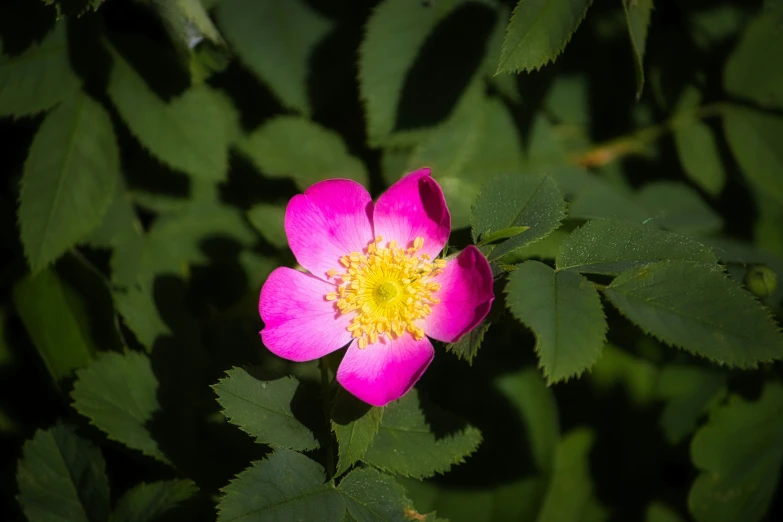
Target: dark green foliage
[(620, 165)]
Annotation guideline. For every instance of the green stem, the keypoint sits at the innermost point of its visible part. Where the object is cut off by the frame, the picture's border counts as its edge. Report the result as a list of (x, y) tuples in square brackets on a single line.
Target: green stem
[(326, 385)]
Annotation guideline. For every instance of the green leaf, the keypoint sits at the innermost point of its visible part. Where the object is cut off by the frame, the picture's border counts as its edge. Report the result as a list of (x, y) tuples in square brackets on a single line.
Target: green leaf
[(146, 502), (284, 486), (406, 446), (276, 41), (291, 146), (355, 424), (38, 79), (53, 315), (468, 345), (659, 512), (68, 180), (62, 478), (537, 408), (739, 453), (620, 368), (269, 221), (689, 392), (611, 246), (192, 133), (262, 409), (637, 16), (371, 496), (564, 311), (514, 200), (118, 393), (571, 488), (186, 20), (136, 304), (600, 199), (756, 139), (74, 7), (700, 157), (479, 141), (677, 207), (699, 309), (538, 32), (384, 62), (120, 222), (754, 69)]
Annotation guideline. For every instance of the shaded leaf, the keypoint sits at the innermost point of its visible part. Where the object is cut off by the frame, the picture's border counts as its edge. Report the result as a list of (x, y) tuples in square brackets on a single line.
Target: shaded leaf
[(191, 133), (406, 446), (371, 496), (689, 392), (290, 146), (754, 69), (739, 453), (276, 41), (262, 409), (599, 199), (538, 411), (284, 486), (62, 478), (136, 304), (146, 502), (118, 393), (677, 207), (659, 512), (699, 309), (68, 180), (515, 200), (620, 368), (55, 319), (355, 424), (269, 221), (385, 63), (38, 79), (468, 345), (756, 139), (637, 16), (611, 246), (538, 32), (564, 311), (570, 492)]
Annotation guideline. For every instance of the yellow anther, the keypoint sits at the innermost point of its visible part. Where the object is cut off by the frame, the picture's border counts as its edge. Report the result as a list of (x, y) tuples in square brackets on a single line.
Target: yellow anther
[(331, 273), (388, 289)]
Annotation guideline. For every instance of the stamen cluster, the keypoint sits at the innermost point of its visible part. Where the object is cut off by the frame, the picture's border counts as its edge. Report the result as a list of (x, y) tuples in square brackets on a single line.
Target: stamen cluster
[(388, 287)]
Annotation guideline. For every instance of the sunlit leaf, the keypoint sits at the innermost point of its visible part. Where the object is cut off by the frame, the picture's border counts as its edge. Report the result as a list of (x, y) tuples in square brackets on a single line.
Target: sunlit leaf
[(355, 424), (276, 41), (290, 146), (564, 311), (262, 409), (69, 179), (406, 446), (284, 486), (698, 308), (62, 478), (371, 496), (539, 31), (532, 201), (191, 133), (39, 78), (611, 246)]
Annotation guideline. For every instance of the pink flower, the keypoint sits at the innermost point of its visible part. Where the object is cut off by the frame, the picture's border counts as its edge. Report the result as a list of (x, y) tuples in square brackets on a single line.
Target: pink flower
[(374, 282)]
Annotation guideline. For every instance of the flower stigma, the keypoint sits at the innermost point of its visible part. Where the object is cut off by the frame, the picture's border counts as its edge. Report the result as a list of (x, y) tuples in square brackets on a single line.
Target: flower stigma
[(388, 288)]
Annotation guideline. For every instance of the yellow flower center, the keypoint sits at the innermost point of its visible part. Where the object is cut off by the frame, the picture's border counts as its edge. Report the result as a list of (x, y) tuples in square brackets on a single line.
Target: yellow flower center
[(388, 288)]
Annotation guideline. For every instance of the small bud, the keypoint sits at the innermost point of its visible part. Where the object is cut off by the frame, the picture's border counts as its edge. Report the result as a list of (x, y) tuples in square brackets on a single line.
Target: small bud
[(761, 281)]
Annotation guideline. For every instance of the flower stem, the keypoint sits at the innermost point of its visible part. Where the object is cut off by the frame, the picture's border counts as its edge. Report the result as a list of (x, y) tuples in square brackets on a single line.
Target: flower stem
[(326, 385)]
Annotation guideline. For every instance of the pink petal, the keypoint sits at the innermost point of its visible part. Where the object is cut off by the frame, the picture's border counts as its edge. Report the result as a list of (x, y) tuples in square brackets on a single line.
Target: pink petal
[(465, 295), (332, 218), (414, 207), (299, 323), (386, 370)]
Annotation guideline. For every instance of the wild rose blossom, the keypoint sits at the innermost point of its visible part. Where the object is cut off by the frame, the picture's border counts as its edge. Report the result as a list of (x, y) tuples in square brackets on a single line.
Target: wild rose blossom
[(375, 282)]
